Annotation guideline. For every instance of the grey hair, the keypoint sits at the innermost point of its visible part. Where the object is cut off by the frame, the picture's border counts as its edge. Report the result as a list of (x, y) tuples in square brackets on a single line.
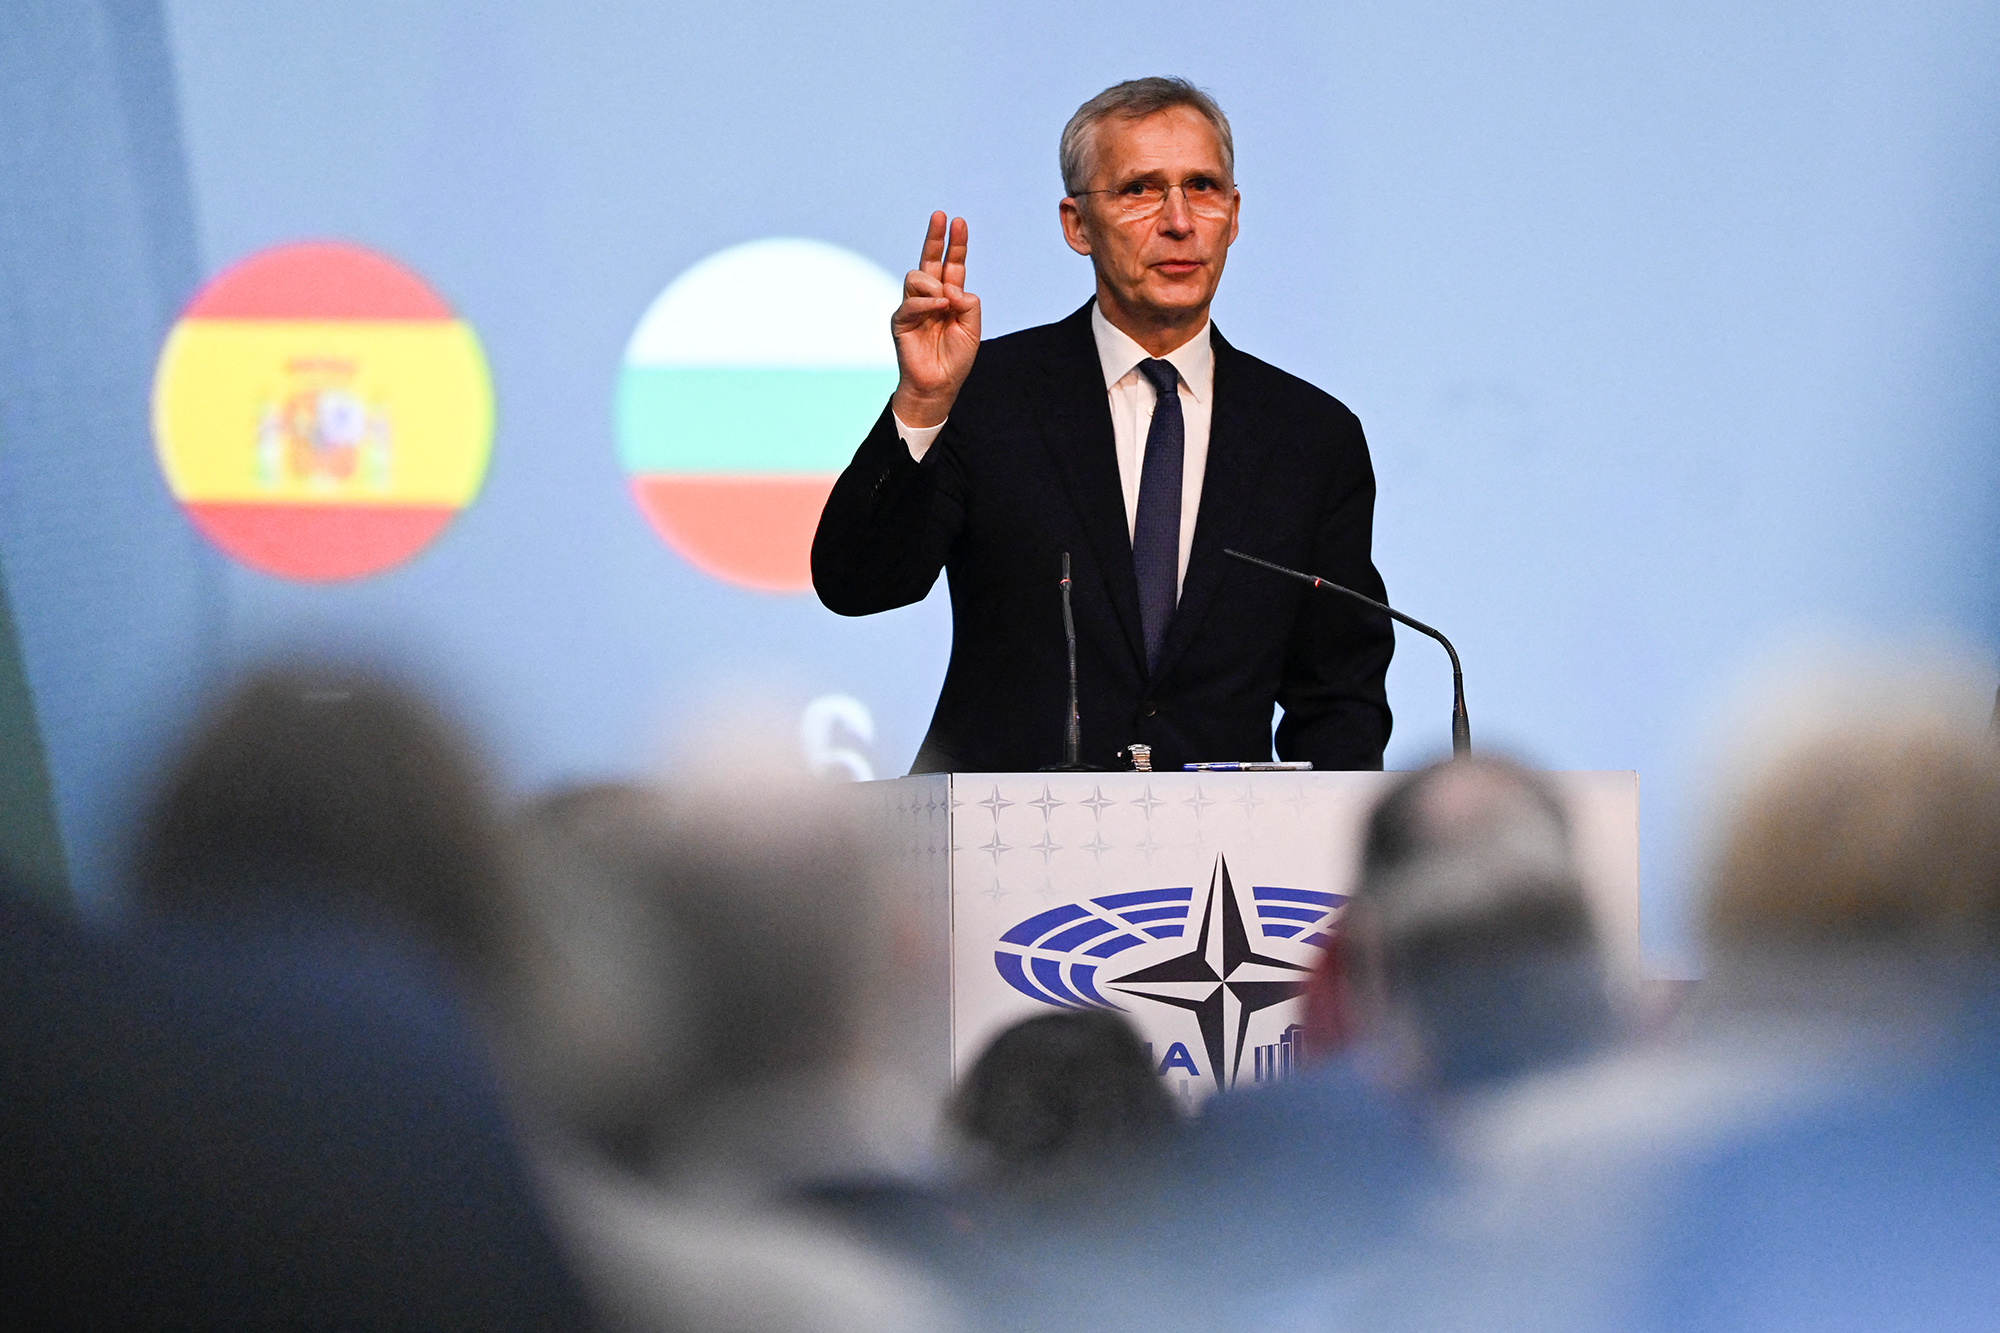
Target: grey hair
[(1133, 100)]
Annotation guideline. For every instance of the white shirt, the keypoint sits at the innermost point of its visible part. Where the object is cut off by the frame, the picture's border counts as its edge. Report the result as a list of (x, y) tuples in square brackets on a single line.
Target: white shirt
[(1132, 400)]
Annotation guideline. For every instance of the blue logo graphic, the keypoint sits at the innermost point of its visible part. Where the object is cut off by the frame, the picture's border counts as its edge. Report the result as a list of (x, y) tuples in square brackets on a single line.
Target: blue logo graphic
[(1136, 946)]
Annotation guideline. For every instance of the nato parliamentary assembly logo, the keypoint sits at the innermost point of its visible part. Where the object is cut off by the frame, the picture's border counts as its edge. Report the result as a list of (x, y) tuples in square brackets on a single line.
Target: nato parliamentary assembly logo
[(320, 413), (1217, 954), (746, 388)]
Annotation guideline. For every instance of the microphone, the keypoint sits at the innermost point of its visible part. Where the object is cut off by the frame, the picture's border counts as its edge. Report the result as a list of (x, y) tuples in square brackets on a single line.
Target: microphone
[(1073, 725), (1461, 729)]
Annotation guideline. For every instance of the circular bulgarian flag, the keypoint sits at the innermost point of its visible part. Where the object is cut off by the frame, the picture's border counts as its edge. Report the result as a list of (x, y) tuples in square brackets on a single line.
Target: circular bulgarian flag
[(319, 412), (747, 386)]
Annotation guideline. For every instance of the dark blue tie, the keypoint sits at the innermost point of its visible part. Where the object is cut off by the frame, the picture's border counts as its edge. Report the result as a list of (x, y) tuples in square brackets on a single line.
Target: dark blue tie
[(1156, 532)]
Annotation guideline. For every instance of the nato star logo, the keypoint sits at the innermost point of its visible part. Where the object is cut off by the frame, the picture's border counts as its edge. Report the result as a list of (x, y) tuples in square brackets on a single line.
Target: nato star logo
[(1170, 955), (1222, 980)]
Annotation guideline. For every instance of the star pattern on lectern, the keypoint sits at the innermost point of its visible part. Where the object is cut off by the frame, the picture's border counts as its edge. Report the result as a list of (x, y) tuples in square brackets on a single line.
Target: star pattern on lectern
[(1298, 799), (1221, 980)]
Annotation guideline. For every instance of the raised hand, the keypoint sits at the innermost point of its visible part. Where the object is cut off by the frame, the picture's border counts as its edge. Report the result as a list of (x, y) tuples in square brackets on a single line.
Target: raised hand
[(936, 327)]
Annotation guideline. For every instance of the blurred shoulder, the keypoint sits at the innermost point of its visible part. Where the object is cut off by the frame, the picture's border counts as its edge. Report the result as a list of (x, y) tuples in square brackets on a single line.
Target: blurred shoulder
[(658, 1259)]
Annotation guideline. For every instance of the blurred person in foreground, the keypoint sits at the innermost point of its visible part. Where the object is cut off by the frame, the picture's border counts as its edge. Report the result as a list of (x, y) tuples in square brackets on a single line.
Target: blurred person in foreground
[(263, 1103), (328, 793), (1060, 1093), (682, 1011), (1466, 960), (1858, 893), (1812, 1146), (1468, 954), (1061, 1124)]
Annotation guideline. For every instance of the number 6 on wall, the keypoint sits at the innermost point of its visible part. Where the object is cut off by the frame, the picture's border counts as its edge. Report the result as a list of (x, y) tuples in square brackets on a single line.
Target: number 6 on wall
[(829, 730)]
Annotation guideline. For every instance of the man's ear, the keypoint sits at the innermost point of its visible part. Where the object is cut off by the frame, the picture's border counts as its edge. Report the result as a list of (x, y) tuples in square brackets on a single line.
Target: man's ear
[(1071, 214)]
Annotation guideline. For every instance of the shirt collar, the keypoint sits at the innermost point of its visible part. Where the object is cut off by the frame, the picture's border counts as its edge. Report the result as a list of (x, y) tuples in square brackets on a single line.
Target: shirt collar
[(1193, 360)]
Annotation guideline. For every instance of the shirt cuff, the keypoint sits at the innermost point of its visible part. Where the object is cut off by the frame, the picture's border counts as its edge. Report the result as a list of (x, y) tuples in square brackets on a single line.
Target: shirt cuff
[(917, 439)]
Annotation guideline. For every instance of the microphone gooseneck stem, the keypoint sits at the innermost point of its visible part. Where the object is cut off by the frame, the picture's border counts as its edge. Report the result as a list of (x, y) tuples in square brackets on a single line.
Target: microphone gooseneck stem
[(1073, 732), (1461, 728)]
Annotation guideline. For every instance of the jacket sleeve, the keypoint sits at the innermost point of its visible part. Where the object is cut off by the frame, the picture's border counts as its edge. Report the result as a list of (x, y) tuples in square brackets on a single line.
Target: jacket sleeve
[(1334, 690), (889, 524)]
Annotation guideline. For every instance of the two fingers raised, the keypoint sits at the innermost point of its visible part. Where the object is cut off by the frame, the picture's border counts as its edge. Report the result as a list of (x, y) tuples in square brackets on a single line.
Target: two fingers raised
[(936, 285), (943, 255)]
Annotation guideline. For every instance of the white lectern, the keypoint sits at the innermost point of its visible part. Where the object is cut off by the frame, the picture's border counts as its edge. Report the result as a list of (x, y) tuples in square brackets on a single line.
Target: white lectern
[(1195, 903)]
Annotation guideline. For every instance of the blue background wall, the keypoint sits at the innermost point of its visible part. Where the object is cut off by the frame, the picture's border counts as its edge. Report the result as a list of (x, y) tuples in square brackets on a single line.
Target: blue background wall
[(1673, 329)]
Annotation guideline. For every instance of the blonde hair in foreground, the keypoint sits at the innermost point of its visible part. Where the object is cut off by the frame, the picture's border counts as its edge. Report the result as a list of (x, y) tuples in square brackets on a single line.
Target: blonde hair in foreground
[(1875, 823)]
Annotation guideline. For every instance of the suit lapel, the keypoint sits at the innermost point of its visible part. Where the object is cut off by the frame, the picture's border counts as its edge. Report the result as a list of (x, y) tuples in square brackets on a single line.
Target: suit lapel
[(1075, 417), (1238, 444)]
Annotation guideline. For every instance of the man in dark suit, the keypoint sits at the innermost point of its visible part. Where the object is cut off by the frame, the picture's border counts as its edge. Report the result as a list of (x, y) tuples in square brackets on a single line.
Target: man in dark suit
[(1133, 437)]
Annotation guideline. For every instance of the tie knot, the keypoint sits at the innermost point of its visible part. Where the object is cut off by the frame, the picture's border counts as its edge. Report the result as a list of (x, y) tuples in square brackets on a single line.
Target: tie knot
[(1161, 373)]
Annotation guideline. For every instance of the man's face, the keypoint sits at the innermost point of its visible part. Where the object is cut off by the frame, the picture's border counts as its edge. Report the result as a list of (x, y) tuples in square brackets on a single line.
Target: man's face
[(1159, 271)]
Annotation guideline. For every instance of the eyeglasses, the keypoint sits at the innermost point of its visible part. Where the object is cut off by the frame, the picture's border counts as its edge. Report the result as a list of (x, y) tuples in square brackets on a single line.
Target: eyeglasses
[(1206, 197)]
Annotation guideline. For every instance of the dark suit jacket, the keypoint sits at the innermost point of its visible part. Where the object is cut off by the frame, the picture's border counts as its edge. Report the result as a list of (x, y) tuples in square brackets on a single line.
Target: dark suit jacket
[(1026, 469)]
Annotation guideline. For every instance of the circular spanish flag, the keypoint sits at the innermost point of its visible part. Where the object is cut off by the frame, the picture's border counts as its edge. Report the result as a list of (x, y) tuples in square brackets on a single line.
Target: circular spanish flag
[(747, 386), (319, 412)]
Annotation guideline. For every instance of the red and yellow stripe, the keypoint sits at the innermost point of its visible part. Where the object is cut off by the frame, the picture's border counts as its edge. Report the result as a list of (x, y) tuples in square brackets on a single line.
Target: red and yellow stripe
[(320, 413)]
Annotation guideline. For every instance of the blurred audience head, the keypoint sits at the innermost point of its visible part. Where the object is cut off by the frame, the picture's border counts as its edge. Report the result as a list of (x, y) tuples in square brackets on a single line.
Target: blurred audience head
[(1469, 949), (591, 985), (1480, 805), (1861, 816), (326, 788), (1062, 1089), (694, 961)]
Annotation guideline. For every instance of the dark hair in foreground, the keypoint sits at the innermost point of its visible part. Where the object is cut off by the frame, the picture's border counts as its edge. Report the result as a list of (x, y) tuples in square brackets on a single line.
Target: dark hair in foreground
[(1062, 1086), (327, 788)]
